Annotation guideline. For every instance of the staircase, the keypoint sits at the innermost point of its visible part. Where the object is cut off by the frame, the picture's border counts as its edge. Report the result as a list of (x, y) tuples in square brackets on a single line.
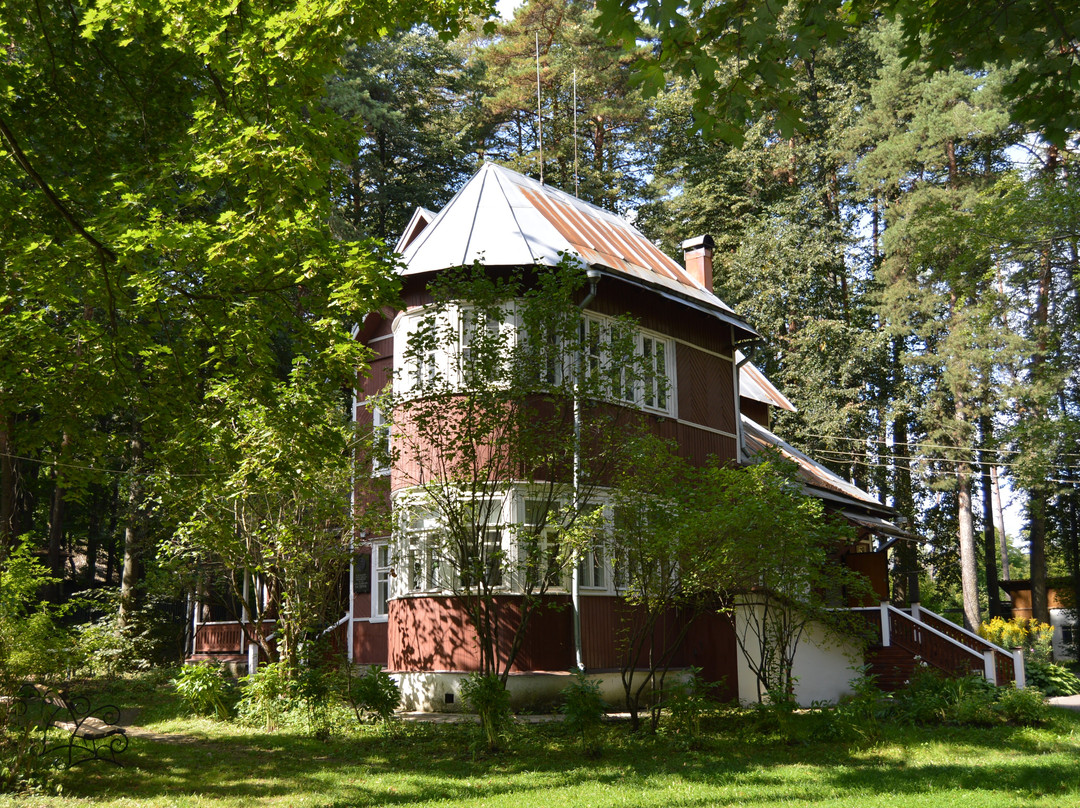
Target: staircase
[(905, 640)]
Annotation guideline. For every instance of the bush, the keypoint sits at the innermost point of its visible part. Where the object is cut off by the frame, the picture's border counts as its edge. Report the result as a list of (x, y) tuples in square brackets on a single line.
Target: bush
[(490, 700), (204, 689), (267, 696), (688, 703), (374, 694), (33, 643), (1052, 680), (1027, 706), (969, 700), (107, 650), (584, 711), (1034, 637)]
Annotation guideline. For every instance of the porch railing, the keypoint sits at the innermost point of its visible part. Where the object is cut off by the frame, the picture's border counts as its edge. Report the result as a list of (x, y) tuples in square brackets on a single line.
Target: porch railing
[(226, 637), (946, 646)]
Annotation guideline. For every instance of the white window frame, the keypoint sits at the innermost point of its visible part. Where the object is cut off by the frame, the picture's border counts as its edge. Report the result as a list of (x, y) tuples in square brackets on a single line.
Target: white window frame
[(381, 441), (547, 545), (381, 575), (594, 334)]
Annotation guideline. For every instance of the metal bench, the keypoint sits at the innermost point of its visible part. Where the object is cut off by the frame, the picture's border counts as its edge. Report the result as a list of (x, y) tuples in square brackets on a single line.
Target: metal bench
[(71, 729)]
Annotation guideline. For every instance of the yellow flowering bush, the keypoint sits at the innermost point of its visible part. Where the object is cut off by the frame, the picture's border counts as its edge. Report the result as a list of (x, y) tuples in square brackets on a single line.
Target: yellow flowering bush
[(1020, 632)]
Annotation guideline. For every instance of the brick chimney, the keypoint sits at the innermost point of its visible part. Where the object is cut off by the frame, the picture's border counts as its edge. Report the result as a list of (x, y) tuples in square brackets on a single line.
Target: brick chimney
[(697, 255)]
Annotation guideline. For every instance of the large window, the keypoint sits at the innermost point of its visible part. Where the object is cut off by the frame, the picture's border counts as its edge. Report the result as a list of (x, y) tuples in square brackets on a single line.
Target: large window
[(489, 348), (646, 383), (538, 545), (515, 545)]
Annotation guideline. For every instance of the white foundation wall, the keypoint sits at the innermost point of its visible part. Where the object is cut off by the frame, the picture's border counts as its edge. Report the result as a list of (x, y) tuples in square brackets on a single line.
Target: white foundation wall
[(825, 664), (426, 692)]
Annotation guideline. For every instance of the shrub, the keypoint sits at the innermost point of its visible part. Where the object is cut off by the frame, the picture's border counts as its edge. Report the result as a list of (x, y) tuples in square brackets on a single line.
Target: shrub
[(1052, 680), (267, 696), (1027, 706), (969, 700), (688, 703), (373, 694), (584, 711), (150, 640), (32, 641), (490, 700), (204, 689), (1034, 637)]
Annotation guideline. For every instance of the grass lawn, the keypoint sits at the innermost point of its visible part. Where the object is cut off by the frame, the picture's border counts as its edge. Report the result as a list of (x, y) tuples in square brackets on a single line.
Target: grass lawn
[(217, 764)]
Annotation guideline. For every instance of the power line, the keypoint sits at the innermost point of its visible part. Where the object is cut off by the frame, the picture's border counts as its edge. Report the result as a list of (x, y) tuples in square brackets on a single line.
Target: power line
[(919, 444)]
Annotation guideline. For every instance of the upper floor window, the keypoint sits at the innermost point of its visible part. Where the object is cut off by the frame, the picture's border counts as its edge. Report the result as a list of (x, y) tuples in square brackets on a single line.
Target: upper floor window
[(462, 347), (645, 381), (380, 441)]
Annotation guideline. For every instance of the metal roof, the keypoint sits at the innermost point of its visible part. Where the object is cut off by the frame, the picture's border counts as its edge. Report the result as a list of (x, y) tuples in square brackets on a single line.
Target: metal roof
[(813, 474), (754, 384), (503, 218)]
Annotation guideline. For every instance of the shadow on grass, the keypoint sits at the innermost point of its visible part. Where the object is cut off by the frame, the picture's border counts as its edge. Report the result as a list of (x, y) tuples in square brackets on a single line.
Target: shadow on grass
[(433, 763)]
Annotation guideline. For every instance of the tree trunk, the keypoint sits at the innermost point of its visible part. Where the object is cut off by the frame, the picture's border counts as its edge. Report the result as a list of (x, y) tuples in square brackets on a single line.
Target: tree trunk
[(56, 541), (993, 601), (56, 528), (999, 521), (968, 570), (134, 536), (1040, 607), (7, 487)]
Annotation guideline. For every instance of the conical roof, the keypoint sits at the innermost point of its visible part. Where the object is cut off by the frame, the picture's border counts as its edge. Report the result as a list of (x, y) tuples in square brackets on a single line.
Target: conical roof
[(503, 218)]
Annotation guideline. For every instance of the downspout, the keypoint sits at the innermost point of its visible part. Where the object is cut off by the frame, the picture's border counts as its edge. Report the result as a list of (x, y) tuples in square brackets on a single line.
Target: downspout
[(575, 585)]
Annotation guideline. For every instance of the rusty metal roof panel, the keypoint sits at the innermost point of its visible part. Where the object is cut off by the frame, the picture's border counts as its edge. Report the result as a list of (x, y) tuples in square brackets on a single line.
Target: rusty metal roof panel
[(502, 218), (755, 385), (756, 437)]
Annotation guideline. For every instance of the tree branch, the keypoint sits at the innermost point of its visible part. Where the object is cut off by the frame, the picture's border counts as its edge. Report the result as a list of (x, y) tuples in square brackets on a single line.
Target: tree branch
[(27, 166)]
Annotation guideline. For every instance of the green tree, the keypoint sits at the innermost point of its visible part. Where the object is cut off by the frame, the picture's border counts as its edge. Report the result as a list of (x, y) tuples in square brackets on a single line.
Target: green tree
[(168, 168), (270, 529), (607, 161), (931, 142), (412, 103), (786, 551), (745, 57)]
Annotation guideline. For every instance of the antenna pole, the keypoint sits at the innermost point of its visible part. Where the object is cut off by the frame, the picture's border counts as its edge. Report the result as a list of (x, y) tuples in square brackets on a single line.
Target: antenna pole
[(575, 135), (539, 117)]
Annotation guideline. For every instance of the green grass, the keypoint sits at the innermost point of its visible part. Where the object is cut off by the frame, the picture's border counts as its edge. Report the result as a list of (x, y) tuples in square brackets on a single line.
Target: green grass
[(224, 765)]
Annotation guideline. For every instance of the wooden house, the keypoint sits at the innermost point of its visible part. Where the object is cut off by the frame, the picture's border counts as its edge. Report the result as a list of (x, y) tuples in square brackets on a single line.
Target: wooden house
[(715, 403)]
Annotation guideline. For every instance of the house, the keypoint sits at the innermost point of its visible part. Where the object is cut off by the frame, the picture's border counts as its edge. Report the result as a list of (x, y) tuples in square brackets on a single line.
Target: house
[(1062, 603), (705, 396)]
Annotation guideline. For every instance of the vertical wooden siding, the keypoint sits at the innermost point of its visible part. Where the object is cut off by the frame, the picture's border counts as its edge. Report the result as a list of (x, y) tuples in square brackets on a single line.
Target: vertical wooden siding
[(705, 388)]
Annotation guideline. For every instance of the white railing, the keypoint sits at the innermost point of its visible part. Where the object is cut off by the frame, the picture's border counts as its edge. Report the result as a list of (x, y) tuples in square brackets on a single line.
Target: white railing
[(994, 655), (941, 649)]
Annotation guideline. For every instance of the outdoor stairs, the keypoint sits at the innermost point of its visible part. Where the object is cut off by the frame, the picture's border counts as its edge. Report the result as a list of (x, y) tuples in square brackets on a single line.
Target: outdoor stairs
[(906, 639)]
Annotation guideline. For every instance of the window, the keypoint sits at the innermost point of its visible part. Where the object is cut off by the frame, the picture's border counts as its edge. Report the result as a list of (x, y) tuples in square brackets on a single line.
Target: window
[(422, 551), (654, 352), (481, 346), (380, 442), (486, 519), (538, 546), (380, 593), (645, 383), (591, 568), (1068, 635), (542, 356)]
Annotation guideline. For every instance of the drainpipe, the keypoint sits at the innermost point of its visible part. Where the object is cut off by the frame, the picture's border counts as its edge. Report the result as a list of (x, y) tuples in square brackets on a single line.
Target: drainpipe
[(575, 585)]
